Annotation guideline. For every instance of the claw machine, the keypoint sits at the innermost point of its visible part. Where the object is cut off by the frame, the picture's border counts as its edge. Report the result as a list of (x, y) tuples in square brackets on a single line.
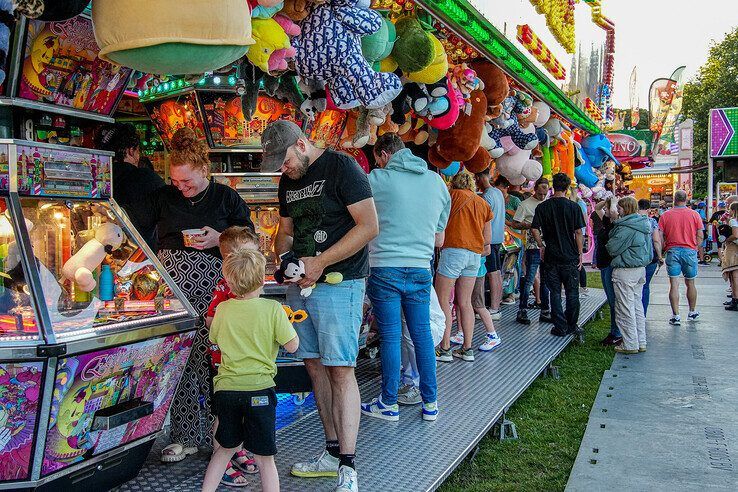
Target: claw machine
[(94, 335)]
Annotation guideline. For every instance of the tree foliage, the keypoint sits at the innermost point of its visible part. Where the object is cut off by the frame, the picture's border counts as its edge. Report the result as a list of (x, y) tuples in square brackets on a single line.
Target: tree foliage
[(714, 86)]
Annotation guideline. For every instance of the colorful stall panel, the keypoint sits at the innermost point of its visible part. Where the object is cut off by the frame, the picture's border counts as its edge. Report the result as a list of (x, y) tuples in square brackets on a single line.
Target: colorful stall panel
[(60, 66), (20, 389), (169, 115), (149, 370)]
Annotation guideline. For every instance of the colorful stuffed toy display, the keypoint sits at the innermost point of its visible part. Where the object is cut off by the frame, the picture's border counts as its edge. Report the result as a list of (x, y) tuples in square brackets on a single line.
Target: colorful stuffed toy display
[(329, 49), (517, 105), (596, 151), (437, 68), (378, 46), (496, 87), (269, 38), (414, 50), (516, 165), (162, 37), (108, 238)]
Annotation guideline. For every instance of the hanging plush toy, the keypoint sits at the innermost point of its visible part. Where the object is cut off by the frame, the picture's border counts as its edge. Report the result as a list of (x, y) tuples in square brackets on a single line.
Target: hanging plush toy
[(436, 70), (291, 269), (514, 107), (414, 49), (596, 151), (516, 165), (268, 36), (378, 46), (329, 49), (496, 87), (108, 238), (166, 37)]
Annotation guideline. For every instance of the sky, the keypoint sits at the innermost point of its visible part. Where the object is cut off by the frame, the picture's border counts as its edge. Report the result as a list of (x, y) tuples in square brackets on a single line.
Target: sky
[(657, 36)]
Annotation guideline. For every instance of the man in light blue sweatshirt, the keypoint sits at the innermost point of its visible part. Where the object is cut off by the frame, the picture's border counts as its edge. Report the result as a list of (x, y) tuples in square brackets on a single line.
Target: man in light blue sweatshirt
[(413, 205)]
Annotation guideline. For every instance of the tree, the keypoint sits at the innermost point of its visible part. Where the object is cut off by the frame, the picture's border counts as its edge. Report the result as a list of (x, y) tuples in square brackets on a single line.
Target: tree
[(714, 86)]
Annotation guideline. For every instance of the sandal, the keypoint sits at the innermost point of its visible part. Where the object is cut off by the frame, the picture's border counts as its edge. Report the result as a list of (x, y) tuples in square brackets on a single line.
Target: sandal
[(244, 462), (176, 452), (233, 477)]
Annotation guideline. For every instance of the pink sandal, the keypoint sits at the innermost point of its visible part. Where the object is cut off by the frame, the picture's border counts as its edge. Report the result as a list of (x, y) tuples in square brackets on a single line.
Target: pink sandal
[(244, 462)]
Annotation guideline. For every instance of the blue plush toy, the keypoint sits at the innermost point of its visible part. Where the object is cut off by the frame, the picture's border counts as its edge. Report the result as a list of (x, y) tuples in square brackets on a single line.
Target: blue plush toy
[(596, 150), (329, 49), (516, 105)]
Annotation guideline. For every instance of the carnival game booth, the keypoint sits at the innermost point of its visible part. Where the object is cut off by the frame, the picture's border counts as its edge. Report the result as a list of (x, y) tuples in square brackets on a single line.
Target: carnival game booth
[(94, 335)]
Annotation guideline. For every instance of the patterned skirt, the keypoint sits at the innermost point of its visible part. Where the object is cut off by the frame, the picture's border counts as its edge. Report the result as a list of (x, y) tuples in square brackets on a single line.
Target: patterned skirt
[(196, 273)]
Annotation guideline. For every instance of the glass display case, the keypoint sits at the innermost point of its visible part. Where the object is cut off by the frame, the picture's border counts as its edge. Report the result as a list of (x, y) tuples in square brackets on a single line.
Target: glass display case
[(94, 335)]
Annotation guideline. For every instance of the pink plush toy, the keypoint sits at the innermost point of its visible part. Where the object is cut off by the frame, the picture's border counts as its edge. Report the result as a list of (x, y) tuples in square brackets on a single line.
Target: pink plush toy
[(279, 58)]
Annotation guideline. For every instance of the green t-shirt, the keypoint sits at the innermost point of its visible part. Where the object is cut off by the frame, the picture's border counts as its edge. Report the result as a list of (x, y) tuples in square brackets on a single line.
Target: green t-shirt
[(249, 333)]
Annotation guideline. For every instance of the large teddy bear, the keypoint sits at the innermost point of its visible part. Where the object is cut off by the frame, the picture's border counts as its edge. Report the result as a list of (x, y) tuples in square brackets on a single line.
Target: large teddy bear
[(329, 49), (516, 165), (496, 86), (463, 141)]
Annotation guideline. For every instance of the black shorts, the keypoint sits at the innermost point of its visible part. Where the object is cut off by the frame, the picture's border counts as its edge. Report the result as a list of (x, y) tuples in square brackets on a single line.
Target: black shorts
[(248, 418), (492, 262)]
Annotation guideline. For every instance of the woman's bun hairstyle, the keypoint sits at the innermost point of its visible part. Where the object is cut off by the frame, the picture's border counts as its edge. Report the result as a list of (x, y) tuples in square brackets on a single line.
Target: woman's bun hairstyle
[(187, 149)]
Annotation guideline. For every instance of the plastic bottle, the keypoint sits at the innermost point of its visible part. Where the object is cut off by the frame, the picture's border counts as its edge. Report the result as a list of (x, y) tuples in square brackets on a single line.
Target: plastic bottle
[(107, 289)]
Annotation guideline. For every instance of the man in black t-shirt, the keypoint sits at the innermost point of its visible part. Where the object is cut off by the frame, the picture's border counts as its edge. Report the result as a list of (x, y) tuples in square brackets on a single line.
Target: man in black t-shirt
[(557, 229), (327, 217)]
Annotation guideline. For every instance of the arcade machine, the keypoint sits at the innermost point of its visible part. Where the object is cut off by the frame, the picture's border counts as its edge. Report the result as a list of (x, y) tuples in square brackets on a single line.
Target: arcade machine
[(212, 108), (94, 335)]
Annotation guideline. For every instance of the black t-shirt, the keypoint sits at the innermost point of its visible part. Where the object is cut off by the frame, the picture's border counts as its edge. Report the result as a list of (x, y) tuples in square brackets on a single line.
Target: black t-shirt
[(602, 256), (218, 207), (317, 205), (558, 219), (131, 185)]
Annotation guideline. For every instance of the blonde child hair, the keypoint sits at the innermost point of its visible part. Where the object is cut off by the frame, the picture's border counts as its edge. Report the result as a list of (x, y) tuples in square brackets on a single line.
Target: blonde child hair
[(244, 270), (237, 237), (463, 181)]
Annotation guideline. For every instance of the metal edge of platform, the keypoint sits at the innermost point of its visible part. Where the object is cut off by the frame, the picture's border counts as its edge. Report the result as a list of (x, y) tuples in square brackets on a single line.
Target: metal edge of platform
[(511, 401)]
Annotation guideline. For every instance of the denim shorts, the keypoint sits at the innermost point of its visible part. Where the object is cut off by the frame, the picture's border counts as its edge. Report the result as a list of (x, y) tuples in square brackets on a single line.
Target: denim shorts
[(458, 262), (493, 261), (681, 261), (331, 331)]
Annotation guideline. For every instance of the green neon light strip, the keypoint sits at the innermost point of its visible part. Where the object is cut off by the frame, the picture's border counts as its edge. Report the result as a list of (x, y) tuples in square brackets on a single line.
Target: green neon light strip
[(461, 17)]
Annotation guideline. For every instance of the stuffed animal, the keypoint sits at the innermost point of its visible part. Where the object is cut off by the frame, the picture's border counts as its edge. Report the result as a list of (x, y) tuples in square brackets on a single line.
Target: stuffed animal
[(316, 100), (269, 36), (462, 142), (496, 86), (329, 49), (296, 10), (378, 46), (554, 128), (424, 99), (108, 238), (436, 70), (596, 151), (414, 49), (517, 105), (264, 9), (204, 36), (283, 87), (516, 165), (279, 57), (291, 269)]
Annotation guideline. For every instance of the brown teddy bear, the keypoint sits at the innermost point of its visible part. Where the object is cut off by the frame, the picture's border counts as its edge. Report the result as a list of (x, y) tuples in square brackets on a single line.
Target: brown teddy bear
[(297, 10), (462, 142), (496, 86)]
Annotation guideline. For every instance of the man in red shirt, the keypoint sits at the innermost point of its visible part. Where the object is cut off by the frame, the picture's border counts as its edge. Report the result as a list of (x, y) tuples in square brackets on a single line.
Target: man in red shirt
[(683, 235)]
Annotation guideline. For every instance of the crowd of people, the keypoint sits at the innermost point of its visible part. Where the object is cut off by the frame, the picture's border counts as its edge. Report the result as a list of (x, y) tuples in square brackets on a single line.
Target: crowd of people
[(419, 251)]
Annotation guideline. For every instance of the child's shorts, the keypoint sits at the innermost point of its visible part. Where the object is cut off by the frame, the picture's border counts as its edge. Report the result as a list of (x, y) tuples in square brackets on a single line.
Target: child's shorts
[(248, 418)]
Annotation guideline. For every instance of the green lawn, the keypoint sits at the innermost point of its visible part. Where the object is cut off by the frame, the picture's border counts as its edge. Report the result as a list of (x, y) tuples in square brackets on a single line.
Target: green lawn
[(550, 416)]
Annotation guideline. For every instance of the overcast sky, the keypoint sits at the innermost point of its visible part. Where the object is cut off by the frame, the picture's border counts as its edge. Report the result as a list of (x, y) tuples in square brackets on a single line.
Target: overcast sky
[(659, 35)]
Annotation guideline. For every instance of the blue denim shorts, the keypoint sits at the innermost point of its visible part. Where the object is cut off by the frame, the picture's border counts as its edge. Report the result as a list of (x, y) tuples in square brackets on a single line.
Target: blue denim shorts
[(331, 331), (681, 261), (458, 262)]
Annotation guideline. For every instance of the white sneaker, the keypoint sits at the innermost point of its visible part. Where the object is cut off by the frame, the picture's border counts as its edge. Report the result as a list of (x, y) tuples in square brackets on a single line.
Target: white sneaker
[(583, 291), (491, 340), (376, 408), (409, 395), (496, 315), (458, 338), (508, 301), (348, 480), (430, 411), (322, 465), (693, 315)]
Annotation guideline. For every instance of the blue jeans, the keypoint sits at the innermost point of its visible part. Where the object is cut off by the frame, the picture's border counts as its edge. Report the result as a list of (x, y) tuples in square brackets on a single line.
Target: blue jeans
[(393, 291), (606, 276), (650, 270), (532, 262)]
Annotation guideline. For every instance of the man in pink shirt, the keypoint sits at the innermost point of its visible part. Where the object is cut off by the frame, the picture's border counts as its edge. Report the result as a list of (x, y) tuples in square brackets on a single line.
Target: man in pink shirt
[(683, 235)]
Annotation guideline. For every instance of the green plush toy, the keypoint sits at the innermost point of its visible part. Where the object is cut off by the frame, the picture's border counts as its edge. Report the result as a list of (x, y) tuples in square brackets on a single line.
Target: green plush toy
[(413, 50), (378, 46)]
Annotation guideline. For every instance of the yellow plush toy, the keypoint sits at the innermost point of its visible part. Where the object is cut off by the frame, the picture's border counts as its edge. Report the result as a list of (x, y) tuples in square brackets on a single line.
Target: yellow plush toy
[(436, 70), (269, 37)]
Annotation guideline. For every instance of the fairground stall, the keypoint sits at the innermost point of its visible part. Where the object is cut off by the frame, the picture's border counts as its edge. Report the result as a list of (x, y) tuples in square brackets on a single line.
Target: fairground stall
[(94, 335)]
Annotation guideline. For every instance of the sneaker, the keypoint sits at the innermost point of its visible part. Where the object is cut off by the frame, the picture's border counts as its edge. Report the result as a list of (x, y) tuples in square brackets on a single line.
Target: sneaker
[(728, 302), (611, 340), (376, 408), (491, 340), (622, 350), (675, 321), (348, 480), (732, 305), (443, 355), (642, 348), (559, 333), (508, 301), (430, 411), (545, 317), (409, 395), (534, 305), (464, 354), (495, 314), (583, 292), (458, 338), (522, 318), (322, 465), (693, 316)]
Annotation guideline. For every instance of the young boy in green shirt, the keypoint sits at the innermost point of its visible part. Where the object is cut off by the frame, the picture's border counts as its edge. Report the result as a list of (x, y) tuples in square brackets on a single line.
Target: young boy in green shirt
[(249, 331)]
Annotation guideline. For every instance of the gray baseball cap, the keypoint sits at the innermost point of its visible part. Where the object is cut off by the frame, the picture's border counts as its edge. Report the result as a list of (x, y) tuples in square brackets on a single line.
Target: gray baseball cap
[(277, 138)]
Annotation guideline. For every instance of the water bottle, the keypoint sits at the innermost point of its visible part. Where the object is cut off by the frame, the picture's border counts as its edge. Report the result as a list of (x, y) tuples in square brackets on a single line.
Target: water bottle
[(107, 289)]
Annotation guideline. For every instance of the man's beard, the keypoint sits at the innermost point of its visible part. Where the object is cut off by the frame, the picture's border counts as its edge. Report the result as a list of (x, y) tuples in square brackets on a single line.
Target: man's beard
[(301, 171)]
